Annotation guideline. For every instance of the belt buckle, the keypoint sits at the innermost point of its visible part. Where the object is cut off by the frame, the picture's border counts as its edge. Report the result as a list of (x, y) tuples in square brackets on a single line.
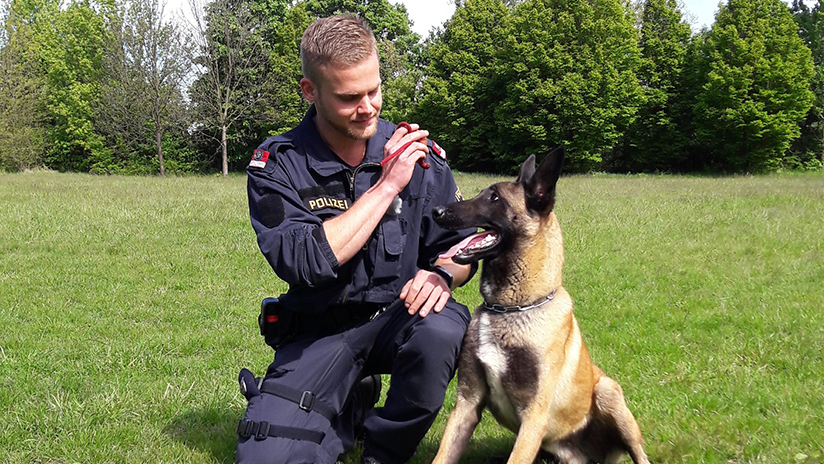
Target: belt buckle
[(307, 397), (263, 431), (244, 428)]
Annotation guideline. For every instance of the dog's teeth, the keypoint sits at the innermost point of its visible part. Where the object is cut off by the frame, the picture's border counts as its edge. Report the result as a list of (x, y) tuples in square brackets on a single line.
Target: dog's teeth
[(486, 241)]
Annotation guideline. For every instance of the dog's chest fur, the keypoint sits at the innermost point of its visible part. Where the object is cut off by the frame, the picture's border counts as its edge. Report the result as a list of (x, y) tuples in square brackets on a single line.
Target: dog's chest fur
[(510, 367)]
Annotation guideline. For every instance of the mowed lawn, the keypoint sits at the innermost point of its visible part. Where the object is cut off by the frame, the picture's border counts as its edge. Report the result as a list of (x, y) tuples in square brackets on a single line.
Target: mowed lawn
[(128, 305)]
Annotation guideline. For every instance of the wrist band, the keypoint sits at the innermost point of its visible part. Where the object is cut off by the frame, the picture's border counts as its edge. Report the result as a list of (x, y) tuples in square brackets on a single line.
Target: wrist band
[(447, 276)]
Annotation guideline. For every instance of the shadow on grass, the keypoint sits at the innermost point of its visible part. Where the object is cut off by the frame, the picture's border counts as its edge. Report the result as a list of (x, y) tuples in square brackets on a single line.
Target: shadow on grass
[(208, 430), (477, 452), (212, 431)]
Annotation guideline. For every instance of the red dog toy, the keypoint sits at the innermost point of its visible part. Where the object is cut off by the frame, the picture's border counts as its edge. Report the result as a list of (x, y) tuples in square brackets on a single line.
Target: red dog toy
[(400, 150)]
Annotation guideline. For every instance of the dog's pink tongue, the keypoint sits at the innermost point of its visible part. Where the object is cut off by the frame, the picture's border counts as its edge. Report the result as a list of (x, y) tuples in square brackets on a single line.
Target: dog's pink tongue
[(465, 243)]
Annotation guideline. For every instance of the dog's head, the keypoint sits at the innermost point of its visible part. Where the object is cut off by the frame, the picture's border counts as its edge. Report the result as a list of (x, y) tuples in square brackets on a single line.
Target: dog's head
[(505, 211)]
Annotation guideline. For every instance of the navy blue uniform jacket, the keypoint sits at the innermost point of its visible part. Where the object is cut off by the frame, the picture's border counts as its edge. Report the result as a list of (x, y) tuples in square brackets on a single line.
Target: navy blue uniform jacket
[(295, 182)]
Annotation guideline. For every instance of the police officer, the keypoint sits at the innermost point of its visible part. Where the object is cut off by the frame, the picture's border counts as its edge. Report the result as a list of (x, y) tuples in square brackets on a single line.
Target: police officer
[(355, 240)]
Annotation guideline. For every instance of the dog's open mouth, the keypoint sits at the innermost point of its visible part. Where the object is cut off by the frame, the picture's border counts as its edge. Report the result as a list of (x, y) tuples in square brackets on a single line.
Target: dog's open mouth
[(471, 248)]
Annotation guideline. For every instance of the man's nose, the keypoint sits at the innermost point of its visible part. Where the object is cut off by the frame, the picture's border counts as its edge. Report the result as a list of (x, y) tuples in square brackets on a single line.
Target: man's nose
[(365, 106)]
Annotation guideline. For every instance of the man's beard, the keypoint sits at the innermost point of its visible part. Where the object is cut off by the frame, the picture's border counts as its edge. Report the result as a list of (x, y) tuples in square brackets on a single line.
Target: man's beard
[(365, 134), (348, 131)]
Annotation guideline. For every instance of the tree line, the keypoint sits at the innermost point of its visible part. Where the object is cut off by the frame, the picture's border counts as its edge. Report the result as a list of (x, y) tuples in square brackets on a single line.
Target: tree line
[(121, 86)]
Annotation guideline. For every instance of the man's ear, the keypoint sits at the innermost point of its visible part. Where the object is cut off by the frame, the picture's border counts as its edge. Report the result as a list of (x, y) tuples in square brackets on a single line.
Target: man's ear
[(309, 89), (527, 170), (540, 188)]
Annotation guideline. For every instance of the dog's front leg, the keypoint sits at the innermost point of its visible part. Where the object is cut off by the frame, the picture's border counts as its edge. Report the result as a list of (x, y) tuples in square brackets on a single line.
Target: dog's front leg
[(472, 394), (462, 422), (537, 421), (534, 424)]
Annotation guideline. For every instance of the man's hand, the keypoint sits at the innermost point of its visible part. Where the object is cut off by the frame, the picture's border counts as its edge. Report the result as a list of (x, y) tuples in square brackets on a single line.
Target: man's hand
[(398, 171), (426, 292), (348, 232)]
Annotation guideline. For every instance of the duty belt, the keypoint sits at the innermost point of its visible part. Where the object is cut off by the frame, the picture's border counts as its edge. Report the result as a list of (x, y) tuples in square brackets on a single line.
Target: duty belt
[(336, 317), (345, 314)]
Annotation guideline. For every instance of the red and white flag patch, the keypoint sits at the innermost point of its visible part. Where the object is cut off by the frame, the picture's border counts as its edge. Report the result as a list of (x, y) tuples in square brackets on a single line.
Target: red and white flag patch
[(438, 150), (259, 159)]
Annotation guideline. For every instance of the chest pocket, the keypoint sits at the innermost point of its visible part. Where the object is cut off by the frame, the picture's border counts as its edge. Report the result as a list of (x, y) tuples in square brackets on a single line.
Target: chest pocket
[(391, 241)]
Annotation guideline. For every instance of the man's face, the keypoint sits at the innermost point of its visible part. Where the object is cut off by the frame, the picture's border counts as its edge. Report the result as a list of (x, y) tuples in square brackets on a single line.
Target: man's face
[(349, 100)]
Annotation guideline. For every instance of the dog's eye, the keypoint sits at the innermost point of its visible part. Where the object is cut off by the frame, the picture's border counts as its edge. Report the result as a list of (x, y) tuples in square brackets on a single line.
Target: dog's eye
[(493, 197)]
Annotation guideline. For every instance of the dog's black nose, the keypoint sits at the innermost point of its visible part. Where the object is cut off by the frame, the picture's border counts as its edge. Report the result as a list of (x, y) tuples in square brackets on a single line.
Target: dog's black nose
[(438, 212)]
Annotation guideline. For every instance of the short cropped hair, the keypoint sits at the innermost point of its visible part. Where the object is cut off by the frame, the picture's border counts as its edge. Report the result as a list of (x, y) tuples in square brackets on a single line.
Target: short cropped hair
[(344, 40)]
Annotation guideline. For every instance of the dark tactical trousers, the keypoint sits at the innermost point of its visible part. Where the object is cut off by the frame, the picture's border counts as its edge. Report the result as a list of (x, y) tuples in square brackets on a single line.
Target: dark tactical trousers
[(419, 353)]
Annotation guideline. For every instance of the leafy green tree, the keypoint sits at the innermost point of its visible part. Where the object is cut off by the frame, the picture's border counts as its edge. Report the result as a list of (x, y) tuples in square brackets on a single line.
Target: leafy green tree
[(459, 89), (503, 83), (756, 86), (70, 46), (21, 131), (567, 69), (657, 140), (286, 107), (808, 150)]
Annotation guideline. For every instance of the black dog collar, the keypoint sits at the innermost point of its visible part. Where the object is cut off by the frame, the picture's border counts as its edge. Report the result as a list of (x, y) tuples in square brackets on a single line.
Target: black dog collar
[(499, 308)]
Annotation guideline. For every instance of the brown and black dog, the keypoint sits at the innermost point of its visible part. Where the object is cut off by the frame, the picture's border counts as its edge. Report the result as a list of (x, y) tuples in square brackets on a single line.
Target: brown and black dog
[(523, 356)]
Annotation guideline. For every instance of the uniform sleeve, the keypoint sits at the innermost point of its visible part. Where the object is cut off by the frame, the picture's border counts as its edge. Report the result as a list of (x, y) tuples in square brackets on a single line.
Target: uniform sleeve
[(289, 236), (441, 190)]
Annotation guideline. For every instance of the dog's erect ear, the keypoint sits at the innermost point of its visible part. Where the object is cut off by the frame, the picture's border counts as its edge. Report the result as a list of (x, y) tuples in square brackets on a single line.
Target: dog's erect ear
[(540, 187), (527, 170)]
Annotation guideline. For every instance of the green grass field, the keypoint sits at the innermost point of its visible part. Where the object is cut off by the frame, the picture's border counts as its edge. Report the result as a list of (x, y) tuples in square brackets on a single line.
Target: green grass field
[(128, 305)]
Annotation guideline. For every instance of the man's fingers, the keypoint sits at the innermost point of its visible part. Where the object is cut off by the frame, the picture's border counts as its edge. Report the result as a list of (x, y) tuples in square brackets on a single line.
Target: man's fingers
[(405, 137), (405, 289), (424, 293), (419, 289), (435, 302), (415, 151), (441, 302), (422, 298), (402, 131), (409, 293), (410, 153), (413, 295)]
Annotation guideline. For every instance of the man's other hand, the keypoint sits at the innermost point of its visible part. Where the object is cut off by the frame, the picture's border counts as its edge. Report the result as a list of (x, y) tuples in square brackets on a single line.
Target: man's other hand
[(398, 169), (426, 292)]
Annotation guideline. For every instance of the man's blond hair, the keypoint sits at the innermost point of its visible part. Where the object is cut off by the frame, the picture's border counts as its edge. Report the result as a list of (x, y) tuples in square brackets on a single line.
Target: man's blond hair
[(343, 40)]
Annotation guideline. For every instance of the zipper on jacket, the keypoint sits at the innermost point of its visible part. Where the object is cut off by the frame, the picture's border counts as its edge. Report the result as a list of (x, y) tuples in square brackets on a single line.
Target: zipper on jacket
[(351, 175)]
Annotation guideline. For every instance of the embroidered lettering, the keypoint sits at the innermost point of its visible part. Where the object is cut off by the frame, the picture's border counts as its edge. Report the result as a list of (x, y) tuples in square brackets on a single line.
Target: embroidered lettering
[(327, 202)]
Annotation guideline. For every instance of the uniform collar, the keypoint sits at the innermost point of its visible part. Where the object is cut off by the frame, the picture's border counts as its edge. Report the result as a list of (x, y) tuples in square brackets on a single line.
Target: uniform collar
[(323, 160)]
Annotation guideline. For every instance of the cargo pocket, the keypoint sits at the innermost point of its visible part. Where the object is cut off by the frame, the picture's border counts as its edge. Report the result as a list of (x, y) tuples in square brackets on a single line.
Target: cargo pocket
[(391, 240)]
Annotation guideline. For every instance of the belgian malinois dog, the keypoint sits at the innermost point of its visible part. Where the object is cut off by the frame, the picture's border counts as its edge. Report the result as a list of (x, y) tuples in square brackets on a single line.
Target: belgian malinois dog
[(523, 356)]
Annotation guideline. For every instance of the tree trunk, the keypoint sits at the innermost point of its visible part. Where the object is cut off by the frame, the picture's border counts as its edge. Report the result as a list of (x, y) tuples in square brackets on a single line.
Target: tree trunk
[(159, 145), (224, 150)]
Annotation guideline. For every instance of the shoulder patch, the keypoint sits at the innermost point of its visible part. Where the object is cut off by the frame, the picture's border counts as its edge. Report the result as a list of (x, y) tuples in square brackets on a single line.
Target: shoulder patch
[(259, 159), (438, 150)]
